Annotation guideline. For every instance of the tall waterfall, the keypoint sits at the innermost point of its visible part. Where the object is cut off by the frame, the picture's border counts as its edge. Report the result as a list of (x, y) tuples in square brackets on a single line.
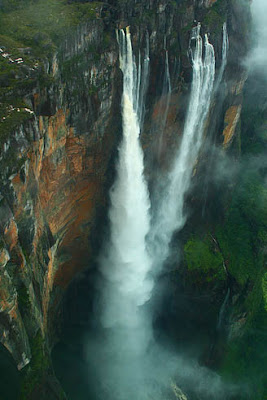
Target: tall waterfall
[(170, 214), (126, 362), (225, 48), (165, 103), (219, 103), (126, 263)]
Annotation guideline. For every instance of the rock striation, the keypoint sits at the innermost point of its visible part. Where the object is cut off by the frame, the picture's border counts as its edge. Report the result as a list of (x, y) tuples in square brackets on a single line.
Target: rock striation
[(57, 151)]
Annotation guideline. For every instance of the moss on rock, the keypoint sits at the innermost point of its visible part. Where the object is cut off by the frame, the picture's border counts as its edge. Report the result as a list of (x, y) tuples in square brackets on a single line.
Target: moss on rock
[(242, 237), (216, 16), (204, 262), (41, 24), (35, 372)]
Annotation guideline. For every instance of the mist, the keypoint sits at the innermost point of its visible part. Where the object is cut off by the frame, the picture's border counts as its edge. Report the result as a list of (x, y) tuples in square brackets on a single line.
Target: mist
[(125, 358), (159, 374), (257, 59)]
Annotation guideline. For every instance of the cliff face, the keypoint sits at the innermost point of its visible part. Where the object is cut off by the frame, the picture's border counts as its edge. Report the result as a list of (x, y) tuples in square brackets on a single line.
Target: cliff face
[(59, 142), (53, 183)]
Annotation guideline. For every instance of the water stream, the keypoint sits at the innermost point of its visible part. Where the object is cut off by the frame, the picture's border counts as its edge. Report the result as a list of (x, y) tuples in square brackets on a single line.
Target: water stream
[(164, 105), (123, 359), (170, 215)]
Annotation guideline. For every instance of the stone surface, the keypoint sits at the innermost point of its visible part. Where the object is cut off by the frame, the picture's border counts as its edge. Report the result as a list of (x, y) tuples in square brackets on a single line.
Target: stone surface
[(57, 166), (232, 117)]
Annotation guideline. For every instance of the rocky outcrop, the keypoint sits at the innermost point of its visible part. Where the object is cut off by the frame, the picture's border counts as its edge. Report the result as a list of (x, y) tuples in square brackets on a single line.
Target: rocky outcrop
[(11, 318), (49, 205), (53, 179), (232, 117)]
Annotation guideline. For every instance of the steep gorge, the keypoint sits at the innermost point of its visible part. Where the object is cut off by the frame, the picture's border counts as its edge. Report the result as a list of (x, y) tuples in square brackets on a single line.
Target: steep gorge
[(59, 132)]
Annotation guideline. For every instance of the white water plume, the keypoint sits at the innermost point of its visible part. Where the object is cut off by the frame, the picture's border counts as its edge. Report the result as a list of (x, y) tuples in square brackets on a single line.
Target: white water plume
[(170, 215), (126, 263), (126, 361)]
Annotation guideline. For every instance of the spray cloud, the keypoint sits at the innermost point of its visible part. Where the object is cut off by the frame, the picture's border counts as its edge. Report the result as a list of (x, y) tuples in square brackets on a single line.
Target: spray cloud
[(127, 360)]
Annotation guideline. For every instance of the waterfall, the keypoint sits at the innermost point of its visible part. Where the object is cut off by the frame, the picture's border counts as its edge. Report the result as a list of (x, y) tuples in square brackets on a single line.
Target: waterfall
[(170, 215), (223, 311), (126, 263), (125, 361), (225, 48), (165, 103), (219, 103)]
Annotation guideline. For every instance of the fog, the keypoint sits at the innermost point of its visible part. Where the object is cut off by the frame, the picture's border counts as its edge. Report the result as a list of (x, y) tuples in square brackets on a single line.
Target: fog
[(257, 59), (159, 374), (123, 358)]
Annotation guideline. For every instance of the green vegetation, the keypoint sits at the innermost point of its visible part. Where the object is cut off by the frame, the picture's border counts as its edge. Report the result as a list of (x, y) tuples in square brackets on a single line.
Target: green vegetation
[(243, 240), (40, 24), (264, 290), (31, 31), (216, 16), (243, 236), (13, 118), (204, 262), (35, 372), (246, 355), (23, 299), (8, 5), (254, 118), (187, 28)]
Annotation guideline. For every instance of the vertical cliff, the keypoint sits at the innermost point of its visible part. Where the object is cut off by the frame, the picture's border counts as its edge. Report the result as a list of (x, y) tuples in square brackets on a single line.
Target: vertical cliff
[(60, 125)]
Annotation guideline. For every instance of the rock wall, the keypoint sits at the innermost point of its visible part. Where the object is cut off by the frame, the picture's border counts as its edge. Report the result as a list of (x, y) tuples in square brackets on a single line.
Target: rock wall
[(57, 163)]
